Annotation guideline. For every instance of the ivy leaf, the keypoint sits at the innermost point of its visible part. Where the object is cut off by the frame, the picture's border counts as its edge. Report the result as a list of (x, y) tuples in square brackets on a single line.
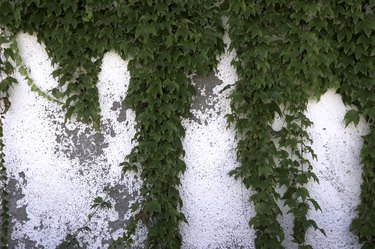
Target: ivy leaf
[(351, 116), (152, 206), (99, 202), (9, 53), (134, 207), (315, 204), (261, 208), (23, 71), (265, 170), (303, 193), (69, 113), (370, 112), (88, 15)]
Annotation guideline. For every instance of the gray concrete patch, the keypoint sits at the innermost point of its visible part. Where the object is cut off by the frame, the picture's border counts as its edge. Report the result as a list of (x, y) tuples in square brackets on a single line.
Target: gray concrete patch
[(18, 214), (205, 98)]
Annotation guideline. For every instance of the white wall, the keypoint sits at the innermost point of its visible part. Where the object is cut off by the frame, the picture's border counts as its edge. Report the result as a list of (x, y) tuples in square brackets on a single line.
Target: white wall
[(57, 170)]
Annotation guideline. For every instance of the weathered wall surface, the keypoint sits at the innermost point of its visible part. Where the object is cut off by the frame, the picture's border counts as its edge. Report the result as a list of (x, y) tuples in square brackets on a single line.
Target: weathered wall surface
[(56, 170)]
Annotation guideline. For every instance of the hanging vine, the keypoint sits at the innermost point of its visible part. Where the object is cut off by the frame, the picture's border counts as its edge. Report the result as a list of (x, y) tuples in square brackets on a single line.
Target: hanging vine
[(284, 55), (254, 102), (287, 52), (7, 58), (355, 29), (168, 41), (174, 40)]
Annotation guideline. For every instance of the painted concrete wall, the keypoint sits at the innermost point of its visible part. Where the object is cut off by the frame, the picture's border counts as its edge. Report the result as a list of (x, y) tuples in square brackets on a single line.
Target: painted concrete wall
[(57, 170)]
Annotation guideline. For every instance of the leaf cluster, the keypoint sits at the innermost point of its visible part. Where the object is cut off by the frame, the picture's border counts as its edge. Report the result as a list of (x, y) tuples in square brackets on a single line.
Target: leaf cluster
[(168, 41), (284, 55), (288, 51), (7, 68), (171, 40), (4, 194), (354, 27)]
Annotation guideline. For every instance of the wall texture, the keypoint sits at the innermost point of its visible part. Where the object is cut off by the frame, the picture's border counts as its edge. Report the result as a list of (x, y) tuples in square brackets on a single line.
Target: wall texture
[(57, 169)]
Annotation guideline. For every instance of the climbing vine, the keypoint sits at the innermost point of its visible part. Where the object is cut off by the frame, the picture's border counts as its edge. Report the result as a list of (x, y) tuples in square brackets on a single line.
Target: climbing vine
[(6, 81), (287, 52), (278, 47), (173, 40), (167, 43), (355, 32)]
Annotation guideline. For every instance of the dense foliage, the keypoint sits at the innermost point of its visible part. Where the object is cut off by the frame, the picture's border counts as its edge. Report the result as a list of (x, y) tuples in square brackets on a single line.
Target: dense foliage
[(287, 52), (167, 43), (6, 72), (172, 41), (282, 57), (354, 29)]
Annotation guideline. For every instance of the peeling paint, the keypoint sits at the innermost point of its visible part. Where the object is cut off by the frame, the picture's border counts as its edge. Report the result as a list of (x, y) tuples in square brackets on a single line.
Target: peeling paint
[(205, 99), (64, 169), (58, 169)]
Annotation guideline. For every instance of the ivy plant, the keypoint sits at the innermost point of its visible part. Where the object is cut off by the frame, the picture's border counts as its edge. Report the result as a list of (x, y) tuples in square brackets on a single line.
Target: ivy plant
[(167, 43), (7, 57), (287, 52), (354, 29), (172, 40)]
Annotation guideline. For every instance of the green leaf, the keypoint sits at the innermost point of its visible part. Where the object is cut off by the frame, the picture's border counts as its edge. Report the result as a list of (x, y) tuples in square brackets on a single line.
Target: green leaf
[(97, 201), (315, 204), (265, 170), (351, 116), (22, 70), (134, 206), (303, 193), (261, 208), (152, 207)]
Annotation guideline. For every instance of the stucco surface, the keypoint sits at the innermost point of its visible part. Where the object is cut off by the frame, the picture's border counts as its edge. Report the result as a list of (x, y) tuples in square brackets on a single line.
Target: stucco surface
[(57, 169)]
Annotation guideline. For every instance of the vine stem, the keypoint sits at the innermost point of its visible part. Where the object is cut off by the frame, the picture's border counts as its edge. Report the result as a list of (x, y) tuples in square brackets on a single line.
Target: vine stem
[(90, 215), (301, 143), (4, 195)]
